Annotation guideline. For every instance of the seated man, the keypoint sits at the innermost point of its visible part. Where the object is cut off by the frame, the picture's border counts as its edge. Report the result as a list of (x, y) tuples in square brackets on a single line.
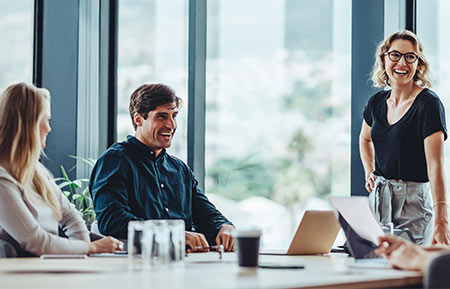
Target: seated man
[(138, 180)]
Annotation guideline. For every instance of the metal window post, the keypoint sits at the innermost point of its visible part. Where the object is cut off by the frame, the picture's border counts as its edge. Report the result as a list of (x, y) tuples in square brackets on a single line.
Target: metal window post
[(196, 88), (410, 19), (364, 41)]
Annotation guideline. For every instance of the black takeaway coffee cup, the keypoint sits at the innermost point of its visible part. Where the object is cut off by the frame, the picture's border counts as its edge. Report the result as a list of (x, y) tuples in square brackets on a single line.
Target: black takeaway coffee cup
[(247, 241)]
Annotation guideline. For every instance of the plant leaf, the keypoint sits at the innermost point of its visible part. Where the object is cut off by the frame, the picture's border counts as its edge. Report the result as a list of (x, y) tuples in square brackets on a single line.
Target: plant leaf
[(89, 161), (66, 193), (65, 184), (67, 178)]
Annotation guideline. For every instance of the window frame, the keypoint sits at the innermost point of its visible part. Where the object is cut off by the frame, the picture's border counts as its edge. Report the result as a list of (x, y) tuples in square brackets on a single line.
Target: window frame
[(364, 41)]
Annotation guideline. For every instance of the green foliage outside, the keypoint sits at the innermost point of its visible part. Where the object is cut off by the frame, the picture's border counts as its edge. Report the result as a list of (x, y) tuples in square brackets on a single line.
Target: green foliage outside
[(241, 179), (289, 182), (286, 182), (77, 191), (310, 101)]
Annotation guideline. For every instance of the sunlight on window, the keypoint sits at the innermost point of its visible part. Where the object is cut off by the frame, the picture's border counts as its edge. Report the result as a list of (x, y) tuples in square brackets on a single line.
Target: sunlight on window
[(152, 49), (277, 100), (433, 23), (16, 29), (278, 110)]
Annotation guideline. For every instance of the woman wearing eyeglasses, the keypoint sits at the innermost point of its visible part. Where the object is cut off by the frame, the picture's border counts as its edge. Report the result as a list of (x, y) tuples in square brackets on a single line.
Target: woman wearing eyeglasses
[(401, 142)]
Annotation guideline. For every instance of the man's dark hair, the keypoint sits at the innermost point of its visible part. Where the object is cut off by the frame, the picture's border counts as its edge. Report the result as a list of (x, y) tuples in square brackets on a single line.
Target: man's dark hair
[(148, 97)]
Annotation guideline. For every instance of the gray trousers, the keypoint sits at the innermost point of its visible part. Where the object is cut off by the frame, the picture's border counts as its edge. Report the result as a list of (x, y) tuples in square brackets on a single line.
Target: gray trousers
[(406, 205)]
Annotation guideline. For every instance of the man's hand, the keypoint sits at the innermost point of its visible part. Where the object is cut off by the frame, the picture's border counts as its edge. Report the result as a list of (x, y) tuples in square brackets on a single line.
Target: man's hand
[(196, 242), (403, 254), (225, 238), (388, 244)]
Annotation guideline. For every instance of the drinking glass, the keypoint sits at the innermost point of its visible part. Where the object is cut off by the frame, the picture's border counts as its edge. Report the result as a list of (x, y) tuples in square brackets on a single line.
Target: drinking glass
[(177, 241), (135, 244), (157, 236)]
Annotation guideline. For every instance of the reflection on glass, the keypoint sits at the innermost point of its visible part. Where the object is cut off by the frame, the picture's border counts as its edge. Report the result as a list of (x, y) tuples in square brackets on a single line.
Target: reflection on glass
[(277, 110), (152, 49), (16, 44)]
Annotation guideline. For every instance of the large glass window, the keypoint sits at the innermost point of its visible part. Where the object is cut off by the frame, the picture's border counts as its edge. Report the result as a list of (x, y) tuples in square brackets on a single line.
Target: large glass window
[(153, 37), (16, 49), (433, 23), (277, 110)]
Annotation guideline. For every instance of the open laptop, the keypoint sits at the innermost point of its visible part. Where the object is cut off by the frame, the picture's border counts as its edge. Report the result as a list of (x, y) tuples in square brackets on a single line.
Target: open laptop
[(315, 235)]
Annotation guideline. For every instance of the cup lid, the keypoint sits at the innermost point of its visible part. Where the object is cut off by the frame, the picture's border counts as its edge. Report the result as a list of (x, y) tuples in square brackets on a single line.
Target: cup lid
[(247, 232)]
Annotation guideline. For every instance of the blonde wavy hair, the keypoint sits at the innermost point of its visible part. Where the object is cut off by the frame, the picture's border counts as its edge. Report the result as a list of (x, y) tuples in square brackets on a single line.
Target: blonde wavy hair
[(22, 108), (379, 76)]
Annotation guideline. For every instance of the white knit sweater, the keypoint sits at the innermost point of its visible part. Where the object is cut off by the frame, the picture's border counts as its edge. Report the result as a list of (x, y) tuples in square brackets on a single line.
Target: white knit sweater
[(32, 223)]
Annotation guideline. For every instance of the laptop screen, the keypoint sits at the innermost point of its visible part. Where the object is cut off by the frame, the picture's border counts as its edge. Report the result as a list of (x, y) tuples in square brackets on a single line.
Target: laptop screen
[(359, 247)]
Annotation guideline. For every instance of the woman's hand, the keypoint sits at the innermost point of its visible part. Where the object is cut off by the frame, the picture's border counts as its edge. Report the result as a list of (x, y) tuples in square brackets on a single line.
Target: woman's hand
[(105, 245), (370, 182), (441, 234)]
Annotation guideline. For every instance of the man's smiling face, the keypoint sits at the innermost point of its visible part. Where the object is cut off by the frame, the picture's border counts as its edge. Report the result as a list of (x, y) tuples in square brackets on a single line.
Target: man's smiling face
[(158, 128)]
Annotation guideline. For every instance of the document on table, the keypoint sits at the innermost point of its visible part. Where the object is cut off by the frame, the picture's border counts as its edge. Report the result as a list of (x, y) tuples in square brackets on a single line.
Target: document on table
[(63, 256), (357, 213), (121, 254)]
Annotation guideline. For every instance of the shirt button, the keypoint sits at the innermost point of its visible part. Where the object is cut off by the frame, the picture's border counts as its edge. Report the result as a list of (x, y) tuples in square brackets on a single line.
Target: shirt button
[(151, 152), (167, 210), (162, 186)]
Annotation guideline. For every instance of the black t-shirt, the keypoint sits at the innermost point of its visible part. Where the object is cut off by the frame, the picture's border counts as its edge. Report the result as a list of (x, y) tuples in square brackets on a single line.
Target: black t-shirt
[(399, 148)]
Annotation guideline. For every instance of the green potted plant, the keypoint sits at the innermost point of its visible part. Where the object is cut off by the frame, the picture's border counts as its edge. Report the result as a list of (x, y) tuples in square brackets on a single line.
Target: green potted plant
[(77, 191)]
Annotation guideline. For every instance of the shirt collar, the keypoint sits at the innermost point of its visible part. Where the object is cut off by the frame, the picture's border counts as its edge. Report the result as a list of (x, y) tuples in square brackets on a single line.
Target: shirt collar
[(143, 149)]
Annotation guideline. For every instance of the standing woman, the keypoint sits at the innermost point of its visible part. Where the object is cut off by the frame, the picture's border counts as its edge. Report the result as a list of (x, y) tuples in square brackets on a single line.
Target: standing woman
[(401, 142), (31, 204)]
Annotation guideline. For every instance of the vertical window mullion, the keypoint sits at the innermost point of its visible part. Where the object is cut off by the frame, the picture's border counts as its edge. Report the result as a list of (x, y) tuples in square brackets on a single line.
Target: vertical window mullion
[(364, 43), (37, 42), (410, 11), (196, 88)]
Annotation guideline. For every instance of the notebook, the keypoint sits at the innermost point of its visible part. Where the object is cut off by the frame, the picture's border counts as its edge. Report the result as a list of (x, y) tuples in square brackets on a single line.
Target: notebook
[(315, 235)]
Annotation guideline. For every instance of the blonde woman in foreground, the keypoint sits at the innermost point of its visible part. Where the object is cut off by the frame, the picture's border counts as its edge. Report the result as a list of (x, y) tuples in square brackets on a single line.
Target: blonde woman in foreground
[(31, 204)]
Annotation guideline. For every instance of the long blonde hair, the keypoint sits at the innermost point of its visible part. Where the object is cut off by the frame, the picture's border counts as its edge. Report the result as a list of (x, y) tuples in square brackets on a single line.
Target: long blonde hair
[(379, 76), (22, 108)]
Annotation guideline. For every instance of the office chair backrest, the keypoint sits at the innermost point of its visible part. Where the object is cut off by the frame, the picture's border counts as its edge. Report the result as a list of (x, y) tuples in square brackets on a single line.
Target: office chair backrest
[(7, 250), (438, 275)]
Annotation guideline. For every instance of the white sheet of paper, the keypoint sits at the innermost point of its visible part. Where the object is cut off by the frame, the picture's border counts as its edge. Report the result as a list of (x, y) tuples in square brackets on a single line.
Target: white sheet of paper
[(356, 211), (63, 256)]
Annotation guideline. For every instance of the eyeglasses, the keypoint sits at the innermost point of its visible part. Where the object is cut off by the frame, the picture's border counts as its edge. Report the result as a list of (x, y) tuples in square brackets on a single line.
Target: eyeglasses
[(395, 56)]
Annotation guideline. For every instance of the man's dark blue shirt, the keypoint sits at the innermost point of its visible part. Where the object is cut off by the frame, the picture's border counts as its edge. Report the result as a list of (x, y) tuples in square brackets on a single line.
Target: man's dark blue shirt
[(128, 183)]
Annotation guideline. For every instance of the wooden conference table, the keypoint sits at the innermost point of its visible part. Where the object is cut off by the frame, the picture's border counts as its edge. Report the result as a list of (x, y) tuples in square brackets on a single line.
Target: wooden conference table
[(200, 270)]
